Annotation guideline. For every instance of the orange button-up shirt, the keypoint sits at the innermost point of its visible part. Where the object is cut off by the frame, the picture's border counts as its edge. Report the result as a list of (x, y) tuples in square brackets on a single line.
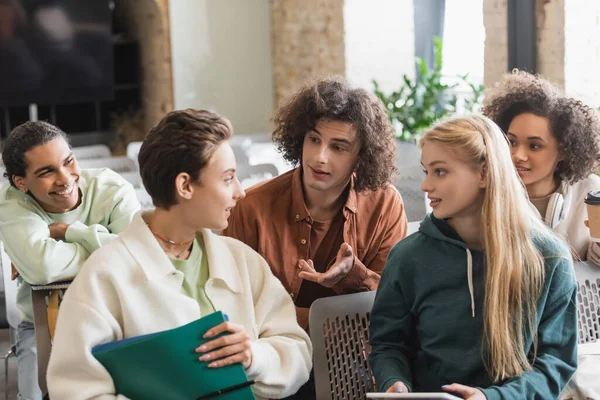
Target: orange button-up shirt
[(273, 219)]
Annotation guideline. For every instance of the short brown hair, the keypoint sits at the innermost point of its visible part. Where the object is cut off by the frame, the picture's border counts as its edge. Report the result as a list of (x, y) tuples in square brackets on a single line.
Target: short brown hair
[(333, 99), (183, 141)]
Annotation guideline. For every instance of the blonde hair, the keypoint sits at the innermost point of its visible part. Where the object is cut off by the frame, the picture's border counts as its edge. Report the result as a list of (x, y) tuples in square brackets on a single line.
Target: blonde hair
[(514, 266)]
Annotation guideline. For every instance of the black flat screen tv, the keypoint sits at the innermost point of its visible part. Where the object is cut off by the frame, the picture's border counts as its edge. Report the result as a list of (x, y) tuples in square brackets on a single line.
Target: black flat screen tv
[(55, 51)]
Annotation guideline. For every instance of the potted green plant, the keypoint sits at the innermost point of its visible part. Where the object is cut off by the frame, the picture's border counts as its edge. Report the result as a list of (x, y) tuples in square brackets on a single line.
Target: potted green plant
[(419, 103)]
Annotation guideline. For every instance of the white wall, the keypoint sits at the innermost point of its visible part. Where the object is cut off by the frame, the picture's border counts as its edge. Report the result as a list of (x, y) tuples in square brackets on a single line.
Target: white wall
[(582, 50), (464, 37), (379, 42), (221, 53)]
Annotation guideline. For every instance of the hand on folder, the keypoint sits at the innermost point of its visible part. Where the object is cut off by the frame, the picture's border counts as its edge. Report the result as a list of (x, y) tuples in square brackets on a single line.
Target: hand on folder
[(165, 365), (229, 349)]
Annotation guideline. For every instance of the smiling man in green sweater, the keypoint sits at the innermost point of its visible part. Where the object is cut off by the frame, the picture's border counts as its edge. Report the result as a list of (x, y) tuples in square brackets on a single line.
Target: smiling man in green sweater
[(53, 216)]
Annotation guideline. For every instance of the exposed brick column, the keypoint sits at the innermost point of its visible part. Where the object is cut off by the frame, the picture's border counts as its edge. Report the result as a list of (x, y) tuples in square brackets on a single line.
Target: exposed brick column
[(307, 41), (495, 21), (550, 21), (148, 22)]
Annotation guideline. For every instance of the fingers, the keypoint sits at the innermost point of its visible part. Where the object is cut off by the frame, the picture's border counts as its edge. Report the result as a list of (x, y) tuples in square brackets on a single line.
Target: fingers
[(227, 340), (223, 327), (13, 273), (333, 274), (242, 358), (307, 266), (308, 271), (464, 391), (397, 387), (310, 276), (345, 250), (228, 349), (327, 279), (239, 347), (586, 223)]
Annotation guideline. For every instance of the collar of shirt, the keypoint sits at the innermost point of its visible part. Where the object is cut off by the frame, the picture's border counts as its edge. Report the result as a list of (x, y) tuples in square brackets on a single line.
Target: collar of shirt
[(300, 211)]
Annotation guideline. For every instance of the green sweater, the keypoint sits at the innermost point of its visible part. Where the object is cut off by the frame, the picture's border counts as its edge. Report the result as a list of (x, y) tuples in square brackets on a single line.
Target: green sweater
[(424, 334), (107, 206)]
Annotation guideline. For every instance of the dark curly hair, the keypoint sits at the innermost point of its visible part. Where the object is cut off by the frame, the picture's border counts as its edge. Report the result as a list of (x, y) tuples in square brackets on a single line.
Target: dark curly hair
[(24, 138), (575, 125), (333, 99)]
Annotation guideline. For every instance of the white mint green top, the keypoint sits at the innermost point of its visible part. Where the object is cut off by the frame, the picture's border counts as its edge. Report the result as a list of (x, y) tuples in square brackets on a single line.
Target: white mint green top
[(195, 275), (130, 287), (108, 204)]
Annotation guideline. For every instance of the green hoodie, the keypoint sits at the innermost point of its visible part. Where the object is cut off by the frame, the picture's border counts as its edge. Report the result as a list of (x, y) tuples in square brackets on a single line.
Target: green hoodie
[(427, 325)]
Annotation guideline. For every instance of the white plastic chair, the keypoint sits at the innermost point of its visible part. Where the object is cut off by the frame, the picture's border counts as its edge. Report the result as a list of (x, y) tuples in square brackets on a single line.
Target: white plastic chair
[(91, 152), (584, 384), (133, 177), (409, 185), (339, 331), (241, 146), (144, 198), (250, 175), (588, 301), (413, 227), (133, 149), (117, 164), (13, 316)]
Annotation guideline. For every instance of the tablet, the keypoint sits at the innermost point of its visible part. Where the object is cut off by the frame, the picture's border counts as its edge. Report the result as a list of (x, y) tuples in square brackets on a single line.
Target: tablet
[(409, 396)]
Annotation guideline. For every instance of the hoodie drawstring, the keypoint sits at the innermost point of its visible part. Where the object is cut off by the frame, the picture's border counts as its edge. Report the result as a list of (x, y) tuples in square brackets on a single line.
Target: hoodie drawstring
[(470, 280)]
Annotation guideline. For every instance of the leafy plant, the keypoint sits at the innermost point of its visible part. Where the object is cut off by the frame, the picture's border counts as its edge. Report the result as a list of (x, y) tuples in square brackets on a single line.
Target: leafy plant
[(417, 104)]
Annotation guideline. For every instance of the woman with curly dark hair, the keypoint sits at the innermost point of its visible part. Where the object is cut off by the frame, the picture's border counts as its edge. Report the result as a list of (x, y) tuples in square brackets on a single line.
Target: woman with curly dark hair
[(555, 148), (326, 227)]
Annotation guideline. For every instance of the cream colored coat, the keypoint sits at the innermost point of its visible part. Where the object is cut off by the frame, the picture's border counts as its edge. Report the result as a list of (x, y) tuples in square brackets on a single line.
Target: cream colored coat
[(130, 287)]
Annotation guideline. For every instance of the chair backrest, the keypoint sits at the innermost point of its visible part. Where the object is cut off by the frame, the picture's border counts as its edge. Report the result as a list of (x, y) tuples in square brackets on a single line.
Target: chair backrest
[(117, 164), (409, 185), (91, 152), (588, 301), (144, 198), (133, 149), (240, 146), (13, 315), (413, 227), (339, 331), (250, 175), (133, 177)]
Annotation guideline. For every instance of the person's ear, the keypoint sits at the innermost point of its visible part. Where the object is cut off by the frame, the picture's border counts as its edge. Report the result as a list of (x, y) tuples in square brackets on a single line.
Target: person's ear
[(183, 186), (483, 176), (19, 182)]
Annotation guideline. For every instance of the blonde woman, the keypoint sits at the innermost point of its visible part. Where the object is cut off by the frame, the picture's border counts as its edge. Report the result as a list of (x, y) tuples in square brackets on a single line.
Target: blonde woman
[(481, 301)]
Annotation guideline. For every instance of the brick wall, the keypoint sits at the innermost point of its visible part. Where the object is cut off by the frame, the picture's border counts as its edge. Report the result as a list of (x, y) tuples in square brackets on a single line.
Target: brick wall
[(148, 22), (550, 19), (495, 21), (307, 39)]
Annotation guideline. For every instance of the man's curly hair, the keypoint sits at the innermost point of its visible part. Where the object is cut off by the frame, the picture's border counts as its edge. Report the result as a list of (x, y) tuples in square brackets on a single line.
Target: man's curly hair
[(575, 125), (333, 99)]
